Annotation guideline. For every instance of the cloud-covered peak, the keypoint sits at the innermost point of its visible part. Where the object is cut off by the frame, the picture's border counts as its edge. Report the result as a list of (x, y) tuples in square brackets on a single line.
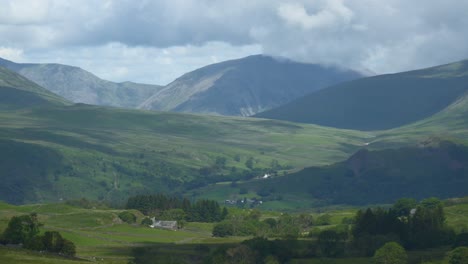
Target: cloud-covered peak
[(380, 36)]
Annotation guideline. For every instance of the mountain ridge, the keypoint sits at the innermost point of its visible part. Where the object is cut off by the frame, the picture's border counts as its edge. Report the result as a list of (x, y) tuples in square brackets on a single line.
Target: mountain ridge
[(18, 92), (81, 86), (379, 102), (245, 86)]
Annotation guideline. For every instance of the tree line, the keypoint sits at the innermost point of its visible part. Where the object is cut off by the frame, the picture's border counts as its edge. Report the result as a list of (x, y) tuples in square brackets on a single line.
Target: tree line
[(175, 208)]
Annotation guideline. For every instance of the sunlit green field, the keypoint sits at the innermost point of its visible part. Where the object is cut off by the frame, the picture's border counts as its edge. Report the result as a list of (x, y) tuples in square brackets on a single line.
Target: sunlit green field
[(99, 233)]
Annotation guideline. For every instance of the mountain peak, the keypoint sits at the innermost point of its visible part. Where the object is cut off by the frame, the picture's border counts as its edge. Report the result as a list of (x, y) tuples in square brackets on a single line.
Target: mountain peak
[(245, 86)]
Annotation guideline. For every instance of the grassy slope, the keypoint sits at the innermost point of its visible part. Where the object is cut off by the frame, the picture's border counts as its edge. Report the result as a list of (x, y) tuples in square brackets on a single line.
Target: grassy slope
[(111, 153), (451, 123), (97, 233), (380, 102)]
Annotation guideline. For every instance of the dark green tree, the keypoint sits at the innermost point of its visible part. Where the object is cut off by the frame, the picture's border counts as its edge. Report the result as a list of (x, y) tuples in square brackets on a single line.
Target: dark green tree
[(54, 242), (21, 229), (146, 221), (403, 206), (331, 243), (249, 163), (127, 217), (223, 229)]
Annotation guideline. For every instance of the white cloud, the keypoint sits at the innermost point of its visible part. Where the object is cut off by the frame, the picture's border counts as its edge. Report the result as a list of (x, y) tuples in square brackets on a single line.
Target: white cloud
[(329, 15), (382, 36), (11, 54)]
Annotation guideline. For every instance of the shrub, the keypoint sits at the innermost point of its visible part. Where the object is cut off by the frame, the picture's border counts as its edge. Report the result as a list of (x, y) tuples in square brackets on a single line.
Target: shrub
[(223, 229), (391, 253), (146, 221), (127, 217)]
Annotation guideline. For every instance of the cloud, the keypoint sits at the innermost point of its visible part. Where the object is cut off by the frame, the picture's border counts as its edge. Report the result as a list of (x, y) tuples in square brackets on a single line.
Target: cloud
[(11, 54), (119, 62), (381, 36)]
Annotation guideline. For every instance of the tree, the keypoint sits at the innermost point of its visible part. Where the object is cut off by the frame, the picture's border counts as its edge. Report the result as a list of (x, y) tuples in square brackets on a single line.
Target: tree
[(249, 163), (68, 248), (461, 240), (331, 244), (54, 242), (21, 229), (391, 253), (459, 256), (403, 206), (223, 229), (220, 162), (146, 221), (127, 217)]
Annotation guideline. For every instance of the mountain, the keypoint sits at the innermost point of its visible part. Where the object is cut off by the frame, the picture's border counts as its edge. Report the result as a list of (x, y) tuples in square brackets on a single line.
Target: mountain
[(50, 149), (80, 86), (17, 92), (380, 102), (245, 86)]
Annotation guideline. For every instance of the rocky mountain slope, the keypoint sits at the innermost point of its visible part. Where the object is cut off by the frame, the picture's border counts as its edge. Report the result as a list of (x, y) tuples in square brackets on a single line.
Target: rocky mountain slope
[(80, 86), (245, 86)]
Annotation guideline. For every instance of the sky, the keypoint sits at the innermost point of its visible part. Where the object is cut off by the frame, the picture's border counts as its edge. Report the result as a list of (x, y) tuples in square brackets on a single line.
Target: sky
[(157, 41)]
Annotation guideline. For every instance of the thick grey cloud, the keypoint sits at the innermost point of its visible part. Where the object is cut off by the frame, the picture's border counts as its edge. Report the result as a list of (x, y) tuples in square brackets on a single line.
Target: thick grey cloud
[(376, 35)]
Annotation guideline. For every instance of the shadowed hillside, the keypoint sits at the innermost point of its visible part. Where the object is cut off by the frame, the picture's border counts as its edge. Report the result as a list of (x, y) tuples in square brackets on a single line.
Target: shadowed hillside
[(380, 102)]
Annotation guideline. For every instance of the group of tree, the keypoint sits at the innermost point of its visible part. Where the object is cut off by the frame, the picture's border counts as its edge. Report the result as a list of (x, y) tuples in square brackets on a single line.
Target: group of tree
[(24, 230), (249, 224), (166, 207), (406, 225), (415, 226), (257, 250)]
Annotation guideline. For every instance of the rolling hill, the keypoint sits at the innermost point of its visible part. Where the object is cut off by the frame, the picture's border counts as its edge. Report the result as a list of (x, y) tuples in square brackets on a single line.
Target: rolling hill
[(17, 92), (53, 150), (433, 168), (380, 102), (80, 86), (67, 151), (245, 86)]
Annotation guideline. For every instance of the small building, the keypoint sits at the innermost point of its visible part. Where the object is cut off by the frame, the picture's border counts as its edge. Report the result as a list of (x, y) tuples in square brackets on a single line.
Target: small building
[(171, 225)]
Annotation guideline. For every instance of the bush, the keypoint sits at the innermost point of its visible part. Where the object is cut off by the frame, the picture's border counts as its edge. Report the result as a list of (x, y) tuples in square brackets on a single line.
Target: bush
[(146, 221), (127, 217), (391, 253), (461, 240), (324, 219), (223, 229), (459, 256)]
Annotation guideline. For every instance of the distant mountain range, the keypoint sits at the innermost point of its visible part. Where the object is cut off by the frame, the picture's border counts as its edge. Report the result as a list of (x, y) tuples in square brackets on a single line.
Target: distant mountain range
[(380, 102), (245, 86), (17, 92), (80, 86), (51, 149)]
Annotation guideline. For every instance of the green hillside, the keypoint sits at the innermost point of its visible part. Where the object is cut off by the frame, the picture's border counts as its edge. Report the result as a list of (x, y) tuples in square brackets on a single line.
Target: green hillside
[(367, 177), (77, 151), (451, 124), (380, 102), (17, 91)]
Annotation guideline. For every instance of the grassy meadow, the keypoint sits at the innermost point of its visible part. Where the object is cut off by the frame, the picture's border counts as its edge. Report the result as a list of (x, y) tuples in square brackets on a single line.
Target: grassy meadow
[(100, 235)]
